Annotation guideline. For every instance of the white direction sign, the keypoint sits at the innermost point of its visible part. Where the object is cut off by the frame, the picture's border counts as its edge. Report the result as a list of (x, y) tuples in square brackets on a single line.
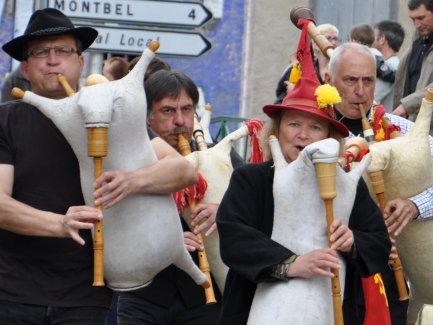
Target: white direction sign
[(134, 41), (184, 14)]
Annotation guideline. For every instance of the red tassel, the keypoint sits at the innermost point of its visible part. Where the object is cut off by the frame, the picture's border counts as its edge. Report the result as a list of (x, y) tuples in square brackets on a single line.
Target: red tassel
[(389, 129), (197, 191), (254, 126), (362, 154), (349, 156), (194, 192), (180, 200), (379, 112)]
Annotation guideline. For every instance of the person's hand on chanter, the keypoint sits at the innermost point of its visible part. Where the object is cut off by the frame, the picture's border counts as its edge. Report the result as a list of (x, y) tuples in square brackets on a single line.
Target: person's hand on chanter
[(315, 263), (398, 213), (192, 242), (80, 217), (204, 216), (341, 238), (111, 187)]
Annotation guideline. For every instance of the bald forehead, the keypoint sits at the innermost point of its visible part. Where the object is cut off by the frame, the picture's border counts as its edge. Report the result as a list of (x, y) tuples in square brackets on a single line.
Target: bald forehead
[(362, 63)]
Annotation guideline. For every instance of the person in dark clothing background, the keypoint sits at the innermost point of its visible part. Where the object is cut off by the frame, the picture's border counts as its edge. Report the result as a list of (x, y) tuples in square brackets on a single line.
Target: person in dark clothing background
[(415, 71)]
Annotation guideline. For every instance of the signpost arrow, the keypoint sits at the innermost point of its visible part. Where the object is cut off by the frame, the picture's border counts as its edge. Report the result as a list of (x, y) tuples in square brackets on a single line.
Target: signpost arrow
[(138, 12), (134, 41)]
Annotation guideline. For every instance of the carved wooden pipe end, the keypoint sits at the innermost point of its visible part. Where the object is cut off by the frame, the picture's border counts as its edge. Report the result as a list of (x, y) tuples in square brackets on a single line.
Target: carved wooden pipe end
[(154, 46), (17, 92), (301, 12)]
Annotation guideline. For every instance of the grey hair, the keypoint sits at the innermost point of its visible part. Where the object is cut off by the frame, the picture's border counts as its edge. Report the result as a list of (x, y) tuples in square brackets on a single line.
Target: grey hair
[(337, 55)]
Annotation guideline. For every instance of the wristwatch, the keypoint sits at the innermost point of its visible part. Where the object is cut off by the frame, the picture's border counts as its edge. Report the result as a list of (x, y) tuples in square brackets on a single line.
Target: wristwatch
[(288, 263), (280, 270)]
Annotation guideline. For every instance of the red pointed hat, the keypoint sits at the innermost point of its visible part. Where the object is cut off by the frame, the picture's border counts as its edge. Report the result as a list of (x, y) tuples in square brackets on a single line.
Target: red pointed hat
[(308, 95)]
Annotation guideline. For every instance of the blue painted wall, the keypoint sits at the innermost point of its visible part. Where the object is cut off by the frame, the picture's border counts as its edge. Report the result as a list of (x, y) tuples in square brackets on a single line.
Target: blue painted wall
[(6, 33), (218, 72)]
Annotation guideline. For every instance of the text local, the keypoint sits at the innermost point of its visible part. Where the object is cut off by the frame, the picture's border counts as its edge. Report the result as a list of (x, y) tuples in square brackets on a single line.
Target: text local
[(124, 40), (132, 41), (94, 7)]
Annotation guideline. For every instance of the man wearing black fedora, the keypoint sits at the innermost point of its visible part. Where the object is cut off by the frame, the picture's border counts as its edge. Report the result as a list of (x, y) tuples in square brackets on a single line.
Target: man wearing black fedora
[(46, 255), (45, 277)]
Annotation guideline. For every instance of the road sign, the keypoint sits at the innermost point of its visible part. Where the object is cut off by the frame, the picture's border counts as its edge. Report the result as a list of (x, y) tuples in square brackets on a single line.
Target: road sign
[(134, 41), (138, 12)]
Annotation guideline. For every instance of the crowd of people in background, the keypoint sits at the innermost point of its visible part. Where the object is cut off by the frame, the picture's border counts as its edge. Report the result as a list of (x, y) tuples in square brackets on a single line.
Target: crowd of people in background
[(45, 238)]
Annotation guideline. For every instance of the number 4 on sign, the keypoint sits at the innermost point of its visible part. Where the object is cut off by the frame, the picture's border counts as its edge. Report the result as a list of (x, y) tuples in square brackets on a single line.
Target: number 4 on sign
[(192, 14)]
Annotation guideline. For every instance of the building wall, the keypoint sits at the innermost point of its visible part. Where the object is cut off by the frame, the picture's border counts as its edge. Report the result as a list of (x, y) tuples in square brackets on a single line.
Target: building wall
[(345, 14), (269, 43)]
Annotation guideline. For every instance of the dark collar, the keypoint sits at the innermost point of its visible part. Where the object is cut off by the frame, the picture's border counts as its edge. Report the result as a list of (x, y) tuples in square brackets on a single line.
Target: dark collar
[(354, 125)]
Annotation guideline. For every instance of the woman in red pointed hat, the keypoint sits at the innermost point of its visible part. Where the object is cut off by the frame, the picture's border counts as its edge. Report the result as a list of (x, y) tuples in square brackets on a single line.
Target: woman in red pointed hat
[(245, 216)]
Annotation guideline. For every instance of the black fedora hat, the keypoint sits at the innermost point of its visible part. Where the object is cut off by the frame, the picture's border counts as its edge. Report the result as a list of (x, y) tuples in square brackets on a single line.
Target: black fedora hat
[(44, 23)]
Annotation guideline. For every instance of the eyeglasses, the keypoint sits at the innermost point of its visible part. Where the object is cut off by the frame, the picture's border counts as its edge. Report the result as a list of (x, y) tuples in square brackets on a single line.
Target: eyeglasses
[(43, 52), (334, 39)]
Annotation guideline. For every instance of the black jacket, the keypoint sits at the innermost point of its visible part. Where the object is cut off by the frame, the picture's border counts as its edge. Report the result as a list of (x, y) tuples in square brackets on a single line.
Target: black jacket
[(245, 222)]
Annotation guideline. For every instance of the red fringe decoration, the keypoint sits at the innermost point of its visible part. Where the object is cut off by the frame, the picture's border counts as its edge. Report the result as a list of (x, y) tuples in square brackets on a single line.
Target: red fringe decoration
[(197, 191), (379, 112), (362, 154), (194, 192), (389, 129), (180, 200), (350, 157), (254, 126)]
